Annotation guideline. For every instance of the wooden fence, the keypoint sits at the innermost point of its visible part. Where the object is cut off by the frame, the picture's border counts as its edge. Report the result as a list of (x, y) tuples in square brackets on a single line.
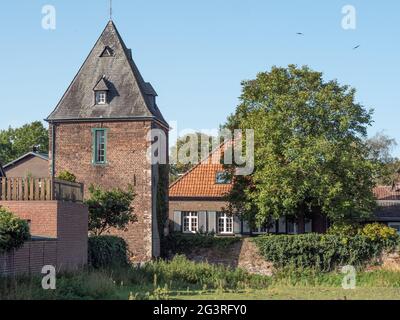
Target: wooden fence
[(39, 189)]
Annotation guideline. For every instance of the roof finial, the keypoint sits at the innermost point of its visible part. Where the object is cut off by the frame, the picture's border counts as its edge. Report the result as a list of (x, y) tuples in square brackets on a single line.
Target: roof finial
[(111, 11)]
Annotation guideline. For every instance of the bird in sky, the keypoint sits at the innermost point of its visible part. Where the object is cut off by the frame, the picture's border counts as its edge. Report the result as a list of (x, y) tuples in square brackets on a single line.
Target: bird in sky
[(356, 47), (300, 34)]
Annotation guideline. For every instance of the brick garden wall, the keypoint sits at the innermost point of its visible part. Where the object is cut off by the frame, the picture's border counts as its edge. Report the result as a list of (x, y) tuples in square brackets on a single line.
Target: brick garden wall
[(65, 222)]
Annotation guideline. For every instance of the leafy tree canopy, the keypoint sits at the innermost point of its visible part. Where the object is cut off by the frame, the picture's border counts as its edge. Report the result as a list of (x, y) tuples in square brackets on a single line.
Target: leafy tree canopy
[(380, 148), (110, 209), (310, 151), (16, 142)]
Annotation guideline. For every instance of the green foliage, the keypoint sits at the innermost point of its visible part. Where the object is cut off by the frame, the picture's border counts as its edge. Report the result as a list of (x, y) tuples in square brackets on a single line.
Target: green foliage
[(379, 232), (16, 142), (110, 209), (13, 231), (181, 278), (181, 271), (191, 149), (181, 243), (162, 203), (310, 151), (380, 147), (373, 231), (344, 229), (66, 176), (156, 280), (322, 252), (107, 252)]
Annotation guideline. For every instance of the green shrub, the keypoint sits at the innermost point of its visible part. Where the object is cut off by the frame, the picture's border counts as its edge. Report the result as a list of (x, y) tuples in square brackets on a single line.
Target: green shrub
[(322, 252), (107, 252), (66, 176), (13, 231), (378, 231), (181, 273), (344, 229), (183, 243)]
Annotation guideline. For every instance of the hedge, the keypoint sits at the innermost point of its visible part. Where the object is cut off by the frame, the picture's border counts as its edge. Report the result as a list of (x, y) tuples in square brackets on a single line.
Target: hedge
[(184, 243), (322, 252), (107, 252), (13, 231)]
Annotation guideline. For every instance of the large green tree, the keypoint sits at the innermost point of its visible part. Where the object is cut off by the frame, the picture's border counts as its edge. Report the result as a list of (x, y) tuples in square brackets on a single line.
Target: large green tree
[(380, 148), (16, 142), (310, 151)]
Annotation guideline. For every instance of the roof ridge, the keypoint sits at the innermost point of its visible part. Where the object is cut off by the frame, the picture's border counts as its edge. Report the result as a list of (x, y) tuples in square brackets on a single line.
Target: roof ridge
[(35, 154)]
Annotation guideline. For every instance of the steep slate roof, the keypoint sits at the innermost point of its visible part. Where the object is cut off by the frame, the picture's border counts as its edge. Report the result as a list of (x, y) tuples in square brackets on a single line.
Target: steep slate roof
[(200, 181), (130, 97)]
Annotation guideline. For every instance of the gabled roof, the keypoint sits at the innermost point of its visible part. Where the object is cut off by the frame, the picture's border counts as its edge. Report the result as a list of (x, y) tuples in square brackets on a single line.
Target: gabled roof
[(200, 181), (129, 95), (101, 85), (27, 155)]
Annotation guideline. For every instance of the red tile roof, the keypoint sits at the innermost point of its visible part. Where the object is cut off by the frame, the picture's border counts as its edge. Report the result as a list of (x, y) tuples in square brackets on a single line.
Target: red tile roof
[(200, 182), (387, 193)]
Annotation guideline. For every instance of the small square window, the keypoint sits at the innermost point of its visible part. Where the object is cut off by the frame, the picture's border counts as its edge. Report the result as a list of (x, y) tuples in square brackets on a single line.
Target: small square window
[(101, 97)]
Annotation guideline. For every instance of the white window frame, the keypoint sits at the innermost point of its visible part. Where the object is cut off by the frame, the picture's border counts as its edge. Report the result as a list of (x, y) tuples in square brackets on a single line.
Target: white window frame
[(227, 223), (101, 97), (190, 222)]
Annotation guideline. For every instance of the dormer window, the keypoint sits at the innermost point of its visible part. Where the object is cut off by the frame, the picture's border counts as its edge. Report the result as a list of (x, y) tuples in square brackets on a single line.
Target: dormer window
[(101, 97), (101, 91)]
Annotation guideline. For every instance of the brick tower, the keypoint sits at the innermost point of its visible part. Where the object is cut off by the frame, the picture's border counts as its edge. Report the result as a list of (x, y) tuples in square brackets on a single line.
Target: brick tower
[(99, 132)]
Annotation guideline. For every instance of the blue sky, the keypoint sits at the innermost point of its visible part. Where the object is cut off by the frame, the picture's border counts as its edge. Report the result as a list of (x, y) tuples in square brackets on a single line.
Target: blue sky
[(196, 53)]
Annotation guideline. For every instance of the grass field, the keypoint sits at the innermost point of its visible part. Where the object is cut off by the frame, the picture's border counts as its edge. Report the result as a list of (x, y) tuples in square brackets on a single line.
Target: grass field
[(184, 280)]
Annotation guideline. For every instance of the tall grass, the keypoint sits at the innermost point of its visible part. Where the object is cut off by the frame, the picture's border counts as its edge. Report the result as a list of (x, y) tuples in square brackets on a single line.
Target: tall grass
[(165, 279)]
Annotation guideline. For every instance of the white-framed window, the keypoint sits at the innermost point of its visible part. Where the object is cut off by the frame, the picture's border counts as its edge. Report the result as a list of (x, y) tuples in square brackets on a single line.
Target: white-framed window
[(101, 97), (395, 225), (225, 223), (190, 222)]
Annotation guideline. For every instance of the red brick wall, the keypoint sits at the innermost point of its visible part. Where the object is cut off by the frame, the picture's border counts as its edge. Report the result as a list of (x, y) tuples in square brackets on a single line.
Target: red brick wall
[(65, 222), (42, 214), (126, 165)]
